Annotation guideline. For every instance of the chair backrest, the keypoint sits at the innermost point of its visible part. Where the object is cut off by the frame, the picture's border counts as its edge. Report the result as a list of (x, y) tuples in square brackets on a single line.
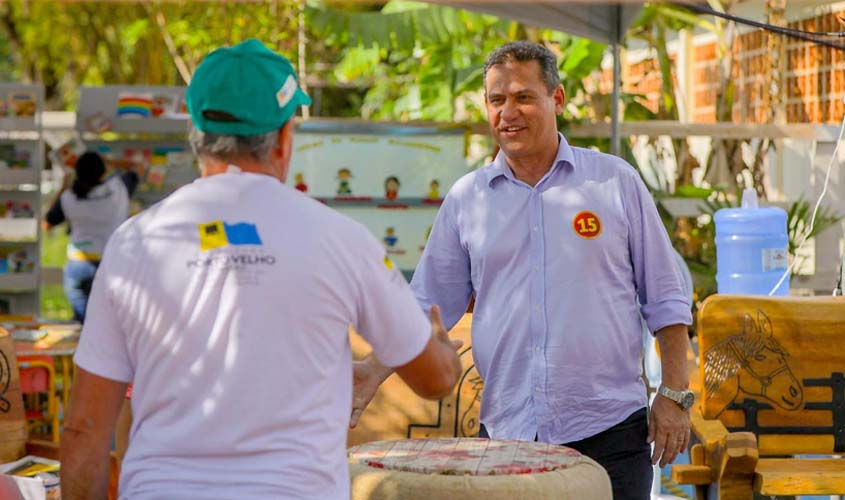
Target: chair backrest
[(36, 374), (775, 367)]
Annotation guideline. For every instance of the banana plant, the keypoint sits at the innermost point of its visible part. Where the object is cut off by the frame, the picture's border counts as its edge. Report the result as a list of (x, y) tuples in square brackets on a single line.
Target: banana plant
[(423, 61), (798, 219), (652, 26)]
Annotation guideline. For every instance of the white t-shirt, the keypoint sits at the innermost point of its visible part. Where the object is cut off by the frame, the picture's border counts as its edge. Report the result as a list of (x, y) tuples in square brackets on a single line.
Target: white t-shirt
[(94, 218), (237, 341)]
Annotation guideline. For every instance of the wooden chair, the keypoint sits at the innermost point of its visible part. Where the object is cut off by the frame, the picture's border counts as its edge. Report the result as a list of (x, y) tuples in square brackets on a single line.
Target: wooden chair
[(772, 387), (38, 379)]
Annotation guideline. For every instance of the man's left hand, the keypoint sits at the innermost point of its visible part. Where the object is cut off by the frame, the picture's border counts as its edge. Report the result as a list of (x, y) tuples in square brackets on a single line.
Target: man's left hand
[(669, 429)]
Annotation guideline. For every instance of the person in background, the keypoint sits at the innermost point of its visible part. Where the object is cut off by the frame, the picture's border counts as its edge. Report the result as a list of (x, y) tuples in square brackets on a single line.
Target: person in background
[(93, 206)]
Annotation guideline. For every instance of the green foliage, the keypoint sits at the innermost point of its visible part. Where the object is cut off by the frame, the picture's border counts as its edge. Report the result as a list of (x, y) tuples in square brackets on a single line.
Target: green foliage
[(579, 58), (689, 191), (358, 62), (68, 44), (416, 61), (798, 222), (414, 58), (634, 109), (54, 303), (651, 26), (425, 62), (54, 247)]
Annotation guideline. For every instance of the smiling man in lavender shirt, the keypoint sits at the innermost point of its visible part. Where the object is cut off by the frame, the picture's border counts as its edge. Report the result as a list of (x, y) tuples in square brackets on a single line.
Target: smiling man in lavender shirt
[(565, 252)]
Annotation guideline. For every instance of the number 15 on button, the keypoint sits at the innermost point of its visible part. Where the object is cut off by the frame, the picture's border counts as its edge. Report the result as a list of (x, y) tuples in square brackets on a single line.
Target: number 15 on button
[(587, 225)]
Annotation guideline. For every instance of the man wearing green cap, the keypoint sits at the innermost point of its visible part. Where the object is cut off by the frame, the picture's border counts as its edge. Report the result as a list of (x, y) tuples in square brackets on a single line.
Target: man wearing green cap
[(227, 306)]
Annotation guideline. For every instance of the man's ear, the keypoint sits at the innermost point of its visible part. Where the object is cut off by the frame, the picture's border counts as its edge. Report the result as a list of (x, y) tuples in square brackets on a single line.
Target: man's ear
[(560, 99)]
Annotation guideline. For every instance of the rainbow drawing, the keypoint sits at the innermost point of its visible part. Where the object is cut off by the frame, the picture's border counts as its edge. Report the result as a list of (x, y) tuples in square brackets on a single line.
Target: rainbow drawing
[(134, 105)]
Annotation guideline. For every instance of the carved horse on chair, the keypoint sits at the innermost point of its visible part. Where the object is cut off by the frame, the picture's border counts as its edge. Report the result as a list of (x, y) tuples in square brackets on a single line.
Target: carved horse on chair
[(753, 363)]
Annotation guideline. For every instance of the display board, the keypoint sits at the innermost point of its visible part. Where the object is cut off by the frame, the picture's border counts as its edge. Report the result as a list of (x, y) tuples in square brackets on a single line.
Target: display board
[(132, 109), (392, 178), (145, 124), (21, 162)]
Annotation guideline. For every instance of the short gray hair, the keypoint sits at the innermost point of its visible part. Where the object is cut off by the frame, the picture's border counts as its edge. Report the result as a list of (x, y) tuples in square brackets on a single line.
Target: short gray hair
[(231, 147), (523, 51)]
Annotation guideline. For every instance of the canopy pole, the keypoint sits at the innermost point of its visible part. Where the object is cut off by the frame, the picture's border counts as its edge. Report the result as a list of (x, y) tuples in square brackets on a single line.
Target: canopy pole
[(617, 82)]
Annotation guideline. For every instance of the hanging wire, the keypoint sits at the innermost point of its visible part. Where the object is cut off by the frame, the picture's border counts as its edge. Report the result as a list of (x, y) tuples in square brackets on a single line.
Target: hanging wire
[(807, 36)]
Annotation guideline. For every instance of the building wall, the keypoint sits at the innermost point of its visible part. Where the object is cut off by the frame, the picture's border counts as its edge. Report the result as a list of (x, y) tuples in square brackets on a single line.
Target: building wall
[(813, 90), (814, 81)]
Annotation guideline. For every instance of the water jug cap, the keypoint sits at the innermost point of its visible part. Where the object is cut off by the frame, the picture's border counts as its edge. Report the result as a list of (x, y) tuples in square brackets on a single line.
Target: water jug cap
[(749, 198)]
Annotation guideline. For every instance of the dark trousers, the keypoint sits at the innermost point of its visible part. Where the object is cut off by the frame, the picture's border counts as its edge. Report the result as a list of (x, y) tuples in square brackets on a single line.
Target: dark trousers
[(623, 452)]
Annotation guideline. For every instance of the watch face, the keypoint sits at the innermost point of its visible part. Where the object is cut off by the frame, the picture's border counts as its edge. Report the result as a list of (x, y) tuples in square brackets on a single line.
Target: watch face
[(687, 400)]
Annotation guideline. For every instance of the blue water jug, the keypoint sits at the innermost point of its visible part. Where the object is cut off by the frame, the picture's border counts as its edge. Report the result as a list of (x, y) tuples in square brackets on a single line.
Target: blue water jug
[(751, 248)]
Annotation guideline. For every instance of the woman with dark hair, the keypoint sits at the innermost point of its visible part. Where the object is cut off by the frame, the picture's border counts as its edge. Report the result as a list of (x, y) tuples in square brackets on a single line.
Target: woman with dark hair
[(93, 208)]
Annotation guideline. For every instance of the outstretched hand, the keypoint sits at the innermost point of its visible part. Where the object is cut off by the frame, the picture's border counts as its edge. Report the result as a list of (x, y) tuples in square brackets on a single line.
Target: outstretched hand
[(367, 375), (438, 329)]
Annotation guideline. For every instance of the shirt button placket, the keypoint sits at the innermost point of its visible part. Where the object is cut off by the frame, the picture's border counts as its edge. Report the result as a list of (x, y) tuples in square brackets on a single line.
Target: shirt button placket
[(536, 321)]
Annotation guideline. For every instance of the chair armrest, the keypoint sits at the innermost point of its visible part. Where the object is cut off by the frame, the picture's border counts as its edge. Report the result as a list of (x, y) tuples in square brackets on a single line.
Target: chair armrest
[(705, 456), (708, 432), (692, 474), (740, 455), (728, 457)]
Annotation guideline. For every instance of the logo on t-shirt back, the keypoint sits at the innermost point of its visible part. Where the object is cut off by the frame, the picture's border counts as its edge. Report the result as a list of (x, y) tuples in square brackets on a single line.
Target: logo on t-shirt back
[(217, 234), (240, 251)]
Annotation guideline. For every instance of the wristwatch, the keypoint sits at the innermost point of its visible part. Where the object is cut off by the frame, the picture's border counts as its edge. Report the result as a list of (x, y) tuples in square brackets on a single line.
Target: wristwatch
[(685, 399)]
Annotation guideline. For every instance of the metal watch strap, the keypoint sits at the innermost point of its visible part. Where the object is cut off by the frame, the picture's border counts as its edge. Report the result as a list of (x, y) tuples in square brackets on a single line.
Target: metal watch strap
[(676, 396), (684, 399)]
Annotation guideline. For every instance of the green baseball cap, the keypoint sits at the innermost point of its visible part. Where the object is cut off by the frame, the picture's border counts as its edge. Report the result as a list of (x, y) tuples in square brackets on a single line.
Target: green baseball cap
[(244, 90)]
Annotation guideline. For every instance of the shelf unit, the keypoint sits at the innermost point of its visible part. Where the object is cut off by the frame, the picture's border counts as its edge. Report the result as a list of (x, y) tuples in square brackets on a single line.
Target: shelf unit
[(144, 123), (21, 163)]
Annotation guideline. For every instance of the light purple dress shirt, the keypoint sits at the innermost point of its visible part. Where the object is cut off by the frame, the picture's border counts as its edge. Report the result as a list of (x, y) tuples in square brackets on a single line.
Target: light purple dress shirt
[(556, 329)]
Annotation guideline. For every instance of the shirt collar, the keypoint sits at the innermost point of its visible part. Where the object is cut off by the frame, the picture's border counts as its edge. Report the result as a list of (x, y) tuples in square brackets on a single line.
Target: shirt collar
[(499, 167)]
